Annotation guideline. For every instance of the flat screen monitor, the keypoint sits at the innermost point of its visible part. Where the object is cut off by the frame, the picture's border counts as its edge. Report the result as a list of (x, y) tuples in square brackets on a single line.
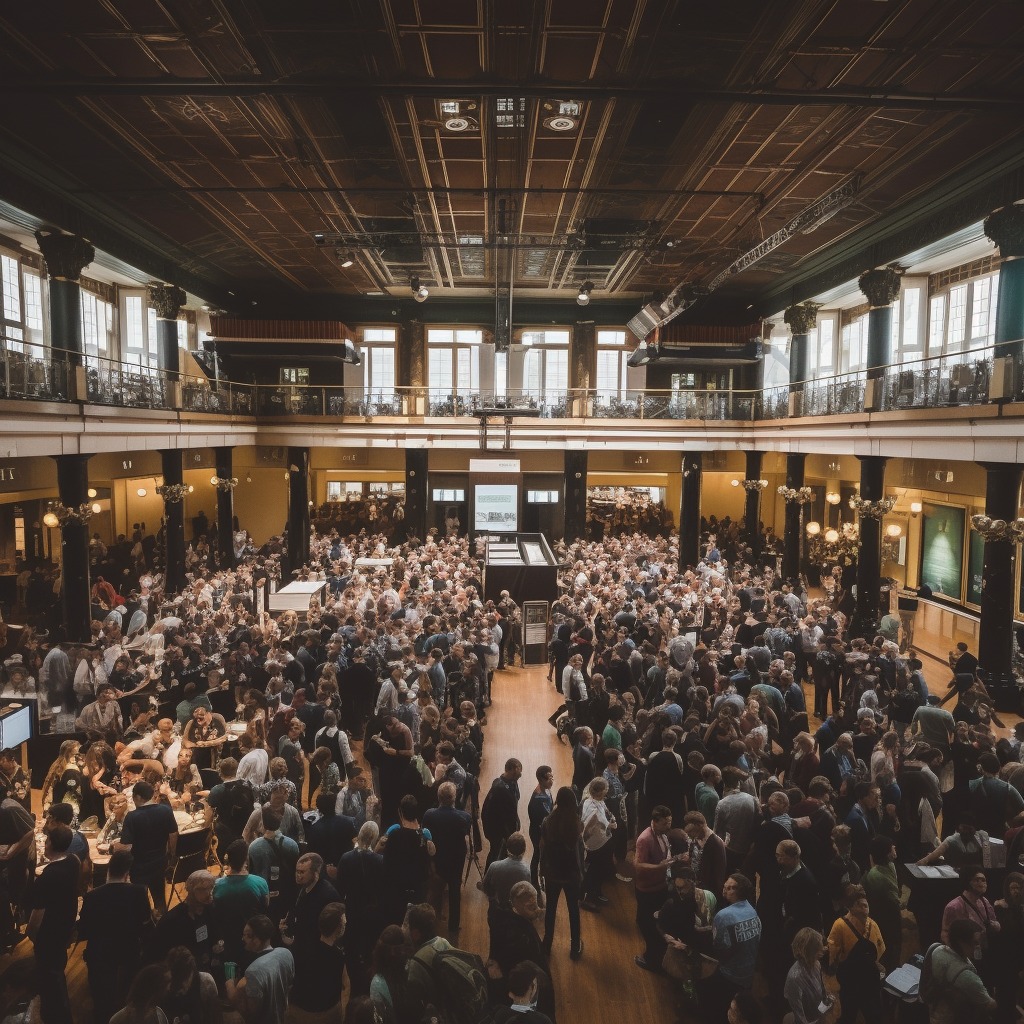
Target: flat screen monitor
[(15, 726), (496, 508)]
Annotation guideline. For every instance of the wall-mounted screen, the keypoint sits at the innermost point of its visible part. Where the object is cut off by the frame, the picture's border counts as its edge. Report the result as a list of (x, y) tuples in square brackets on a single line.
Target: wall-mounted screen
[(975, 568), (496, 508), (942, 550)]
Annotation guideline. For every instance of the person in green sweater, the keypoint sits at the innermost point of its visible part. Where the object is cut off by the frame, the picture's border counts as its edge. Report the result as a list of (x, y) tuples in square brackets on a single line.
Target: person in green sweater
[(883, 892), (611, 738)]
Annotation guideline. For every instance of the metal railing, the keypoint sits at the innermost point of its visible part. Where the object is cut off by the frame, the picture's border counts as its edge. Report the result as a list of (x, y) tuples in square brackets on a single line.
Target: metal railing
[(960, 379)]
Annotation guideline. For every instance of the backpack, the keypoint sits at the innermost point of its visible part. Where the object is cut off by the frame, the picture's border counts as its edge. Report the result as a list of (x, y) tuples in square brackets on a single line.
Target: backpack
[(461, 981), (928, 989), (239, 807)]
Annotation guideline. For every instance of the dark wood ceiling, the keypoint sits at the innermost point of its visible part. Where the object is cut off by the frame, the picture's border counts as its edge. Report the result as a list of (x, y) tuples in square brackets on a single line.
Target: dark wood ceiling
[(239, 130)]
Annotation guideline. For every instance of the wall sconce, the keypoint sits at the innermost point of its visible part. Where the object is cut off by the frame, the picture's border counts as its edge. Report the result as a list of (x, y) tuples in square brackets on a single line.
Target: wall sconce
[(141, 492), (893, 530), (735, 482), (96, 507)]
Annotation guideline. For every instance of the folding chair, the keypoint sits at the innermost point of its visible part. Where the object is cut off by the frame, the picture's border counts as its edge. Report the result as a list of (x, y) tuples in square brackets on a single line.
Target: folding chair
[(192, 852)]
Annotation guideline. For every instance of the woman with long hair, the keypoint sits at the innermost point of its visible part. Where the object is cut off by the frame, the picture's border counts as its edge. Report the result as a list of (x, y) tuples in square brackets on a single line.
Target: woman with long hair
[(805, 987), (100, 773), (560, 867), (147, 990), (63, 782), (388, 984)]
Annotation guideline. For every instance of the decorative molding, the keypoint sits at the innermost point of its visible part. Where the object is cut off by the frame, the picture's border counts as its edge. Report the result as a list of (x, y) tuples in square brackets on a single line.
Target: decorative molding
[(167, 300), (872, 509), (172, 493), (799, 495), (881, 286), (802, 318), (66, 256), (999, 529), (1006, 228)]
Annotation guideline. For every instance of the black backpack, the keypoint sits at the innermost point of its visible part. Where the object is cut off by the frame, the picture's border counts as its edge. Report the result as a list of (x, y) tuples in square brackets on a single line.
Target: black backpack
[(239, 805)]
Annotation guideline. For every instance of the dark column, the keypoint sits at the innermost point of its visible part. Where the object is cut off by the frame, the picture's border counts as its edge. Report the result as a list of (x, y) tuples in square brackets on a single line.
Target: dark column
[(167, 300), (416, 493), (73, 490), (1006, 228), (793, 530), (995, 641), (66, 257), (752, 512), (298, 509), (575, 496), (881, 287), (174, 520), (869, 558), (802, 319), (226, 509), (689, 510)]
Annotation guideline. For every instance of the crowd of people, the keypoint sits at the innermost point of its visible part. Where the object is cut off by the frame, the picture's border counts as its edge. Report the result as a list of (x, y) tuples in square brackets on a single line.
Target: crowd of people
[(287, 808)]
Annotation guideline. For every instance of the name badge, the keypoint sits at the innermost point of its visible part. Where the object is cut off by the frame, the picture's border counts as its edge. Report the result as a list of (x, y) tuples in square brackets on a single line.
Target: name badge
[(202, 933)]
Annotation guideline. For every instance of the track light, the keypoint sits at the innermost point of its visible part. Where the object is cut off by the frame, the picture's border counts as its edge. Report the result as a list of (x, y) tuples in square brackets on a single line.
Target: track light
[(318, 239), (583, 299), (419, 291)]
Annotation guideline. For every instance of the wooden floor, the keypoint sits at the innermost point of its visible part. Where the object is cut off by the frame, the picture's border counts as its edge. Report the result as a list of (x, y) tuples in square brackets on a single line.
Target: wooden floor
[(605, 984)]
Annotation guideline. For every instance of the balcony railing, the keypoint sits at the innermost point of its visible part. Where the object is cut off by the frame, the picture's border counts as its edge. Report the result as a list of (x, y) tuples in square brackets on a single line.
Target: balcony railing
[(962, 379)]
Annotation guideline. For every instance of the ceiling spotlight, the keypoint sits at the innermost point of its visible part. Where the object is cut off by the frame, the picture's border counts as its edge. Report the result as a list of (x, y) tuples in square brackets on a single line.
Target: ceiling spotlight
[(345, 259), (643, 354), (419, 291), (583, 299), (318, 239)]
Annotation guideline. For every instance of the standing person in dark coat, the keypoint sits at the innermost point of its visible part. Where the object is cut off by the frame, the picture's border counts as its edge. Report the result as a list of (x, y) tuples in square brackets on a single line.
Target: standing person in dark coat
[(500, 812)]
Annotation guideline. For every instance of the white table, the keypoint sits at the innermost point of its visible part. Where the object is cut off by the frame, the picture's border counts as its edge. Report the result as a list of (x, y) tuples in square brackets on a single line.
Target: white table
[(296, 597)]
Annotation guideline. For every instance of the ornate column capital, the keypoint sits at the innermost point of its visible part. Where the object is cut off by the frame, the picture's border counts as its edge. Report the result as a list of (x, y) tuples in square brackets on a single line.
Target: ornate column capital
[(803, 317), (881, 287), (167, 300), (66, 256), (1006, 228)]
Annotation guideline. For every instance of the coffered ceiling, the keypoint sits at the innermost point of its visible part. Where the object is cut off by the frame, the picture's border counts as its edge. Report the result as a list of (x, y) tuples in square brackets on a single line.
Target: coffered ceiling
[(259, 146)]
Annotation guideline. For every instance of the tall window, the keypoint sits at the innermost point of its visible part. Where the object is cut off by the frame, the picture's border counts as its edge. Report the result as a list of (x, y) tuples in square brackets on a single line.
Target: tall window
[(138, 340), (824, 348), (453, 362), (907, 326), (97, 327), (378, 354), (546, 367), (611, 366), (34, 325), (855, 344), (964, 317)]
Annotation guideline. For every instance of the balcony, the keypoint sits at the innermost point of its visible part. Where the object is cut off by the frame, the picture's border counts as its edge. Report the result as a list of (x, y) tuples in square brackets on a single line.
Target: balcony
[(967, 379)]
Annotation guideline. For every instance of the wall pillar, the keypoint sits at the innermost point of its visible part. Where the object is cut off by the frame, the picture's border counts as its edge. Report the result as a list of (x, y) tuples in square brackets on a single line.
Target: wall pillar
[(575, 495), (792, 537), (298, 510), (167, 300), (1006, 228), (752, 510), (416, 492), (73, 491), (689, 511), (869, 558), (802, 319), (882, 288), (995, 639), (174, 522), (66, 257), (226, 509)]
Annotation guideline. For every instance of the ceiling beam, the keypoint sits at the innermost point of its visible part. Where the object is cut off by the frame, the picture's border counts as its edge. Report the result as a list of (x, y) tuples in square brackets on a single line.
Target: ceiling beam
[(346, 89)]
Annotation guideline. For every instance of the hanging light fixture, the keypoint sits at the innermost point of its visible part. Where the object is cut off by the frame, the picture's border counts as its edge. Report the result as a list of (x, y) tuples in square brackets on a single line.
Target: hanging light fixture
[(833, 497), (583, 299), (813, 528), (419, 291), (92, 492)]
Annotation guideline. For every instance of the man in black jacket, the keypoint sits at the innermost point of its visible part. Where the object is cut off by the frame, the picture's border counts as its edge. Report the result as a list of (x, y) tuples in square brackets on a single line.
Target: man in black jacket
[(500, 812)]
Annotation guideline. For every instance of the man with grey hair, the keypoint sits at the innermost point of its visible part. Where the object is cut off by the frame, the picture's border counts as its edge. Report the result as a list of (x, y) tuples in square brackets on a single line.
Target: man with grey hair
[(193, 923)]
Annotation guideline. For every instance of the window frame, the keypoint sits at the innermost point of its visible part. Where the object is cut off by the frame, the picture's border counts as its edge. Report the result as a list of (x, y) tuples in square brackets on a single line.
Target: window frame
[(550, 353), (460, 342)]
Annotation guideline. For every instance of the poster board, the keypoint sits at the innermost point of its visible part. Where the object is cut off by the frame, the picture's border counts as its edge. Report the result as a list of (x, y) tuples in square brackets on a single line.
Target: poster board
[(975, 567), (943, 550)]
